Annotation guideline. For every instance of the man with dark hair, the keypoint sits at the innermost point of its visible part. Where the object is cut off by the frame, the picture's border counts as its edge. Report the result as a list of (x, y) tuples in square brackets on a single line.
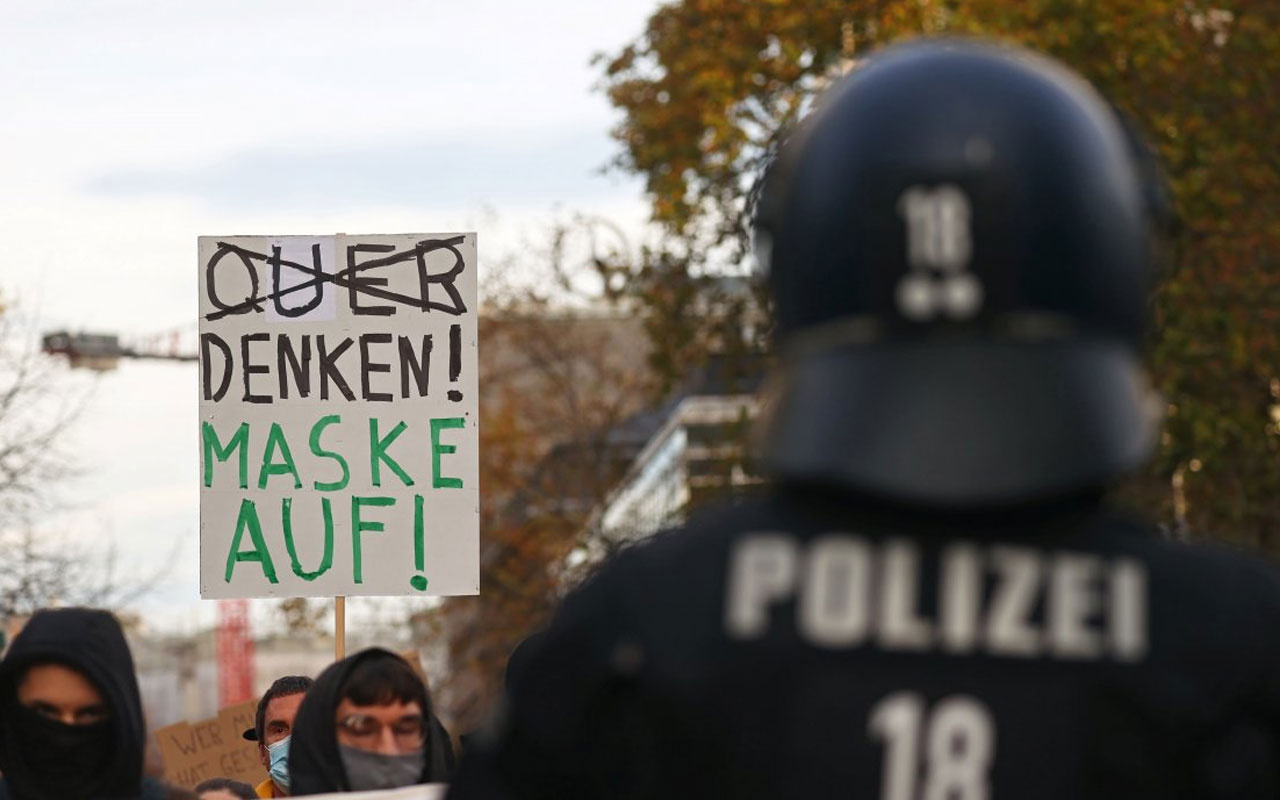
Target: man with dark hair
[(272, 727), (932, 599), (367, 723), (71, 725)]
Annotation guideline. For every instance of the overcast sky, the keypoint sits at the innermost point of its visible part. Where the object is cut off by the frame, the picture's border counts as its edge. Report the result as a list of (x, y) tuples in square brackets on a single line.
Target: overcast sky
[(130, 128)]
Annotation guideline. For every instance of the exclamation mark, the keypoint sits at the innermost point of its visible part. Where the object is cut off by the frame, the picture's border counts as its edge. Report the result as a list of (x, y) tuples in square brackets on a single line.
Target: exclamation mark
[(419, 581), (455, 360)]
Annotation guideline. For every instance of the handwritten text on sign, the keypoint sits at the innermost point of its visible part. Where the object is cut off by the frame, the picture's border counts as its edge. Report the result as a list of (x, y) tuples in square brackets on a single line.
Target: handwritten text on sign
[(211, 748), (338, 415)]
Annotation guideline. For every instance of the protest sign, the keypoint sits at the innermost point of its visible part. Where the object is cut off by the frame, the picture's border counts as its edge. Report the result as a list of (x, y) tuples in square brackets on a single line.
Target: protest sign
[(338, 415), (211, 748)]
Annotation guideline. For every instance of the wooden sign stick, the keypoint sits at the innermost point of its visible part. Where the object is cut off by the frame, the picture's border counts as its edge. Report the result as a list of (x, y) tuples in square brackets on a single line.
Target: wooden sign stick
[(339, 628)]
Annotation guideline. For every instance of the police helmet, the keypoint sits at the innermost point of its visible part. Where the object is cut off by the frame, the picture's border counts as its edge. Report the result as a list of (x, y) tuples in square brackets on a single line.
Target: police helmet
[(958, 243)]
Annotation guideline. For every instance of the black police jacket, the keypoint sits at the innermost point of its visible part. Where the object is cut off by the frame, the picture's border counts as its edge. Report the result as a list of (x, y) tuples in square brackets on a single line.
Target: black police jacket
[(797, 647)]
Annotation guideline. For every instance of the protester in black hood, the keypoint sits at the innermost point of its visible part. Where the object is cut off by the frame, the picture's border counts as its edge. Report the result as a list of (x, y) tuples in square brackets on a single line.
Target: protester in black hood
[(367, 723), (71, 725)]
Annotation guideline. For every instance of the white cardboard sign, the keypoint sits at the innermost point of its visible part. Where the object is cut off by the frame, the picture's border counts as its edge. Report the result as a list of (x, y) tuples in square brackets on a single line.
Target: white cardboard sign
[(338, 415), (425, 791)]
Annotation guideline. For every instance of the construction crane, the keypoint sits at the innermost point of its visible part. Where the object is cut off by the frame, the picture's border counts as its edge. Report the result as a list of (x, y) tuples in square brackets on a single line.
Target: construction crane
[(102, 352), (235, 652)]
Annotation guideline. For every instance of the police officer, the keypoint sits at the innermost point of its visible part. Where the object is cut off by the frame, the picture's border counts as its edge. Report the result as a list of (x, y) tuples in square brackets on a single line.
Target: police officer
[(931, 603)]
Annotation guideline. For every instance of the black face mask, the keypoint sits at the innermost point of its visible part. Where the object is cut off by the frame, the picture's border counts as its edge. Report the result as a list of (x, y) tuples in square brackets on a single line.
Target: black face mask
[(52, 760)]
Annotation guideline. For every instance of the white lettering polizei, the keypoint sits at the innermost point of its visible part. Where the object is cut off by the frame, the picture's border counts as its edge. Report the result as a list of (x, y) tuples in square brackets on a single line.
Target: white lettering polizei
[(1003, 600), (1072, 603), (960, 598), (762, 571), (901, 627), (834, 607), (1128, 610), (1009, 628)]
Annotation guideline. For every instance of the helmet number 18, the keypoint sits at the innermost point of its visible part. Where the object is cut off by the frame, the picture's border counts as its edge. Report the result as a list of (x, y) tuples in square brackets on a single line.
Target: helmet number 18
[(939, 246), (958, 740)]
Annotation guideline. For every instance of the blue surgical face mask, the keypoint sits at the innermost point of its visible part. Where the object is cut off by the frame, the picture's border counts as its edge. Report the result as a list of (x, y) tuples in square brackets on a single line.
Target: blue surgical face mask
[(279, 769)]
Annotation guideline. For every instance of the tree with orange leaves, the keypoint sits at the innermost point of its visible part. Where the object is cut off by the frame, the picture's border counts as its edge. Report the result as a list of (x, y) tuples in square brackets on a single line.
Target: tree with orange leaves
[(556, 386), (711, 87)]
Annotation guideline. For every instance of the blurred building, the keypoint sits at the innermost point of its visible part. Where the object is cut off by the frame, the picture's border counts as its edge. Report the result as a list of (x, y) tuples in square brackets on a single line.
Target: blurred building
[(178, 675), (697, 450)]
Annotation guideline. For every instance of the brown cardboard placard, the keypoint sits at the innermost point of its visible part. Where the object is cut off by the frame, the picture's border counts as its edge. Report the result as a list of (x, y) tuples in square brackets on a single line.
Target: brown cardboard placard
[(238, 718), (211, 748)]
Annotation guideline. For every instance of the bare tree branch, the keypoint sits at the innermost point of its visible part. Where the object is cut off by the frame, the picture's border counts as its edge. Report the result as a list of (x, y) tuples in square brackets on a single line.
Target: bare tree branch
[(39, 403)]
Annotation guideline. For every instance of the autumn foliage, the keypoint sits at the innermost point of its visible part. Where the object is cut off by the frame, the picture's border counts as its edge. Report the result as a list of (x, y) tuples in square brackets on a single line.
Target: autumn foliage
[(556, 385), (712, 86)]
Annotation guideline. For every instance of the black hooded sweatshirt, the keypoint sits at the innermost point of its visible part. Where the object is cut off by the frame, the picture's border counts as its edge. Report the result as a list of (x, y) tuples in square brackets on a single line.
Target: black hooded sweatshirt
[(315, 766), (92, 643)]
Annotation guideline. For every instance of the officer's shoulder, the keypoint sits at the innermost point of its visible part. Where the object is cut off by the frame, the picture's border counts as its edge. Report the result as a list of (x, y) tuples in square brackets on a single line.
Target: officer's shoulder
[(1240, 583), (1230, 568)]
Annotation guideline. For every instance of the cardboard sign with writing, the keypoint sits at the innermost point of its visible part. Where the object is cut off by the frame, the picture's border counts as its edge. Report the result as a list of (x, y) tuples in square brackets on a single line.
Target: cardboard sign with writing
[(211, 748), (338, 415)]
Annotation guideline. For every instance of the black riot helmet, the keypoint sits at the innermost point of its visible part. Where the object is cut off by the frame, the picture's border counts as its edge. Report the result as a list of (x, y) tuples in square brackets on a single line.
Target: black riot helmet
[(958, 242)]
